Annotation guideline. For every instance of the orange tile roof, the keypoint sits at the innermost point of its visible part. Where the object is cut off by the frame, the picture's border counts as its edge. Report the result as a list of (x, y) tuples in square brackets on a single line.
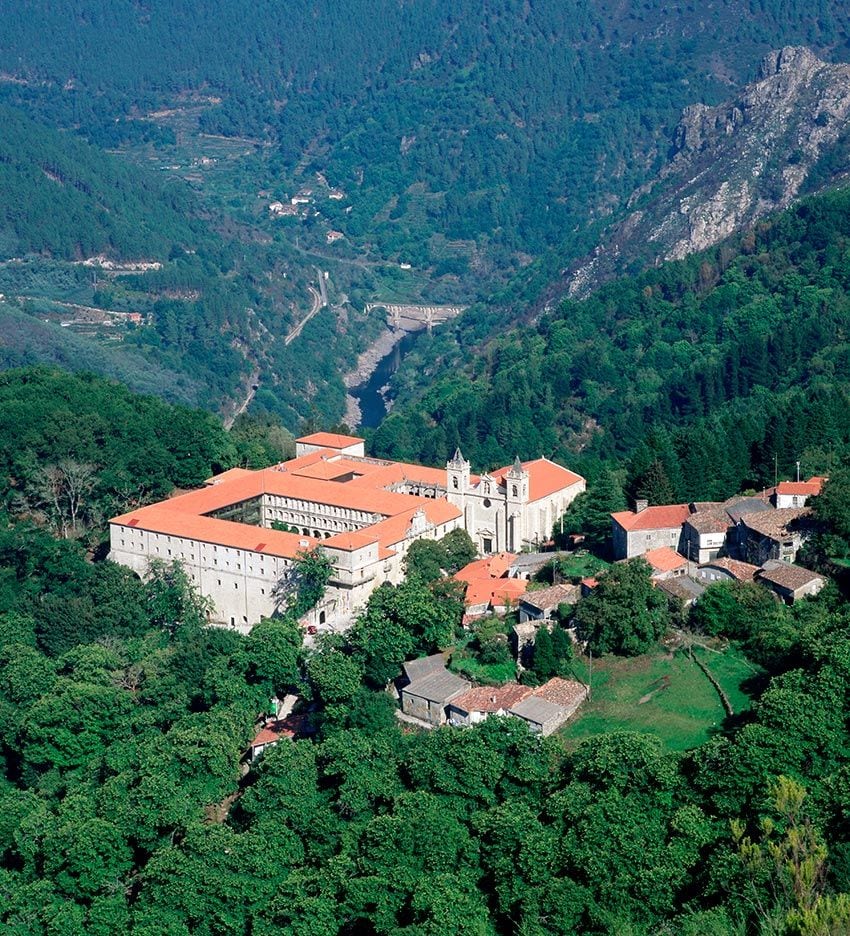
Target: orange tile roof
[(491, 567), (332, 440), (495, 592), (228, 475), (810, 488), (665, 559), (653, 518), (490, 698), (544, 477), (161, 518)]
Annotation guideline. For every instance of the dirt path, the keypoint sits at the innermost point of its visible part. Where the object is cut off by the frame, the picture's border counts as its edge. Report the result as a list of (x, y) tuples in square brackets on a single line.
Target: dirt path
[(317, 304)]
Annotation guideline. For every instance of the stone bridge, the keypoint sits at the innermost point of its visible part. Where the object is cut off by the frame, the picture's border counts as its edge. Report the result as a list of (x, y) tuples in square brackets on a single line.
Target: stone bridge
[(413, 317)]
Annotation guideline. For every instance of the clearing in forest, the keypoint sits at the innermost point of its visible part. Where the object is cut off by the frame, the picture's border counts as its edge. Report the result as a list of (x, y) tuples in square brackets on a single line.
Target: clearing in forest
[(663, 694)]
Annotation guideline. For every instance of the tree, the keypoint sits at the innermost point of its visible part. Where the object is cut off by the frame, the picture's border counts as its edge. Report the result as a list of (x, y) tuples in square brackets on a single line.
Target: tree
[(459, 550), (544, 663), (832, 506), (272, 652), (425, 561), (302, 586), (787, 869), (624, 614), (590, 513)]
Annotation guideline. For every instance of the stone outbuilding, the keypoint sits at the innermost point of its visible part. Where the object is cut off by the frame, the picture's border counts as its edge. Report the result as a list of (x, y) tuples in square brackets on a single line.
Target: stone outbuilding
[(790, 582), (543, 604), (476, 705), (430, 689)]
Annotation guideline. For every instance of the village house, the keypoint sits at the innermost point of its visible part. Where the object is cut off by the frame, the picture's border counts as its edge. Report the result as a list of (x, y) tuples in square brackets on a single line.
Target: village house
[(543, 604), (635, 532), (430, 688), (775, 534), (726, 570), (477, 704), (684, 590), (239, 535), (789, 582), (549, 706), (666, 563), (797, 493)]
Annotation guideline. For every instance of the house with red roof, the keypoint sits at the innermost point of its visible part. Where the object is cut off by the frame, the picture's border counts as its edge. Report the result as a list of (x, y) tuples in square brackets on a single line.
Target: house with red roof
[(797, 493), (240, 533), (635, 532)]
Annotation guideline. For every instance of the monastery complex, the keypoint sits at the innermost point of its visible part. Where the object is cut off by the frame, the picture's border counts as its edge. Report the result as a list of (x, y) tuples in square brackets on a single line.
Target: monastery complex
[(363, 512)]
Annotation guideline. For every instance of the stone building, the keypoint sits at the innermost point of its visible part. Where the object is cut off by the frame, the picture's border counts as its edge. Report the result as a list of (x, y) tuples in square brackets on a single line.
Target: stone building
[(239, 535)]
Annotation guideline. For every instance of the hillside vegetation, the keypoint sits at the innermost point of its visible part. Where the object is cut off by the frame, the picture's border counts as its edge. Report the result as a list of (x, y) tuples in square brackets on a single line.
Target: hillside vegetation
[(501, 127), (720, 365)]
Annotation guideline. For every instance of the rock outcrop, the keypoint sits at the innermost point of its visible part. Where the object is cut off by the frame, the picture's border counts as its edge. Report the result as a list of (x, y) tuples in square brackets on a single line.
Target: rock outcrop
[(730, 165)]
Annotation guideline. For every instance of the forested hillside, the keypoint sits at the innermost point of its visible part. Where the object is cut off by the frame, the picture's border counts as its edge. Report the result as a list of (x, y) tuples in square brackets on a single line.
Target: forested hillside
[(506, 125), (125, 808), (88, 239), (727, 366)]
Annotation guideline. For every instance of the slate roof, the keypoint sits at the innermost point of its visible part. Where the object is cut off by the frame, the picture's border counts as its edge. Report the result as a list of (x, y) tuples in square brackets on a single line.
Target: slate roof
[(539, 710), (423, 666), (683, 588), (441, 687)]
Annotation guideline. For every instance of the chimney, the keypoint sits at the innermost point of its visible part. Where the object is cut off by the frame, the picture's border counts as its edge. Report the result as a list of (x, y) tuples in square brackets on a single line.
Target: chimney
[(641, 504)]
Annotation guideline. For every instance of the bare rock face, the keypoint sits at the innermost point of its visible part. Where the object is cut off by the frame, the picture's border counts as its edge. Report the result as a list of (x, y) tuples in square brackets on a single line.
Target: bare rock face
[(730, 165)]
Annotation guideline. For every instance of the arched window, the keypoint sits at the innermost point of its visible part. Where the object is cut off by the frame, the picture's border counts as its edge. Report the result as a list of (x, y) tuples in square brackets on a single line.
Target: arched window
[(515, 491), (454, 483)]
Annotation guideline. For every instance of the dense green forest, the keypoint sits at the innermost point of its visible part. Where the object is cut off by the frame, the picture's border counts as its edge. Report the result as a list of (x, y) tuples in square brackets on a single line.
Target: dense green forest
[(724, 368), (216, 302), (499, 127), (124, 808)]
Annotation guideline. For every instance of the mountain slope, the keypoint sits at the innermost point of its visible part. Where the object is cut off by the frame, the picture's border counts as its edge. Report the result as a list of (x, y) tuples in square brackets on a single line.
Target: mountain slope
[(738, 358), (733, 164)]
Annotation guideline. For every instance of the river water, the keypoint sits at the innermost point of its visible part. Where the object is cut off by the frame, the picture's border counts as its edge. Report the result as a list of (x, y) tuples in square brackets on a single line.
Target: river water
[(368, 395)]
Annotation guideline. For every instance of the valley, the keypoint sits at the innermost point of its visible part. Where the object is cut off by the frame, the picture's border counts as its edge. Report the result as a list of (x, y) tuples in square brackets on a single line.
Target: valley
[(425, 468)]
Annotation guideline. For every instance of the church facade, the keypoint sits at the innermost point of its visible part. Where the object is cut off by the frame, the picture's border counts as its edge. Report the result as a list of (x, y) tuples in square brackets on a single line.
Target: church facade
[(239, 535)]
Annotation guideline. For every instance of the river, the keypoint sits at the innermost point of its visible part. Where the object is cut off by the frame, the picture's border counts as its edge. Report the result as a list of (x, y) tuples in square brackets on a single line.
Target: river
[(369, 398)]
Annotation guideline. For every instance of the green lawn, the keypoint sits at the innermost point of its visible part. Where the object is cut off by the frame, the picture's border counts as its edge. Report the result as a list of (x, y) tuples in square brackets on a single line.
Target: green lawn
[(580, 564), (663, 694)]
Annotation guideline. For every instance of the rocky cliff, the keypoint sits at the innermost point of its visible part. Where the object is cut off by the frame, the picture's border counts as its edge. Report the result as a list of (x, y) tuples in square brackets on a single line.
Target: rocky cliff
[(733, 164)]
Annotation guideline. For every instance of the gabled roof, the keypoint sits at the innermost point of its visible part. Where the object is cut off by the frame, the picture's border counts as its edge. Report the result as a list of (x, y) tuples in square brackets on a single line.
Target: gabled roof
[(787, 575), (665, 559), (424, 666), (810, 488), (742, 571), (664, 517), (491, 567), (566, 692), (495, 593), (440, 686), (331, 440), (777, 524), (544, 477), (491, 698), (547, 599)]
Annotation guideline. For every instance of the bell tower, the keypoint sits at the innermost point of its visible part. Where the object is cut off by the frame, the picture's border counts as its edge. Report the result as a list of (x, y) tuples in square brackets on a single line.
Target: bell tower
[(516, 498), (457, 479)]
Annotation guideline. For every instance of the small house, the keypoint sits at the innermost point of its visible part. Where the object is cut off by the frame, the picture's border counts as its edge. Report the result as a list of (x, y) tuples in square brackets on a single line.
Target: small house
[(542, 605), (789, 582), (477, 704)]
